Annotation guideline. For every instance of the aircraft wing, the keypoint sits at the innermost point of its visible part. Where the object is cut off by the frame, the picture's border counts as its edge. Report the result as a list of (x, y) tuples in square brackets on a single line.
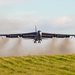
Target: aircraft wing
[(23, 35), (29, 35), (50, 35)]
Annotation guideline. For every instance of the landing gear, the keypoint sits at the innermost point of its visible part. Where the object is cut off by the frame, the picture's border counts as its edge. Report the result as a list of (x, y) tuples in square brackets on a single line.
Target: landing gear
[(35, 41), (39, 41)]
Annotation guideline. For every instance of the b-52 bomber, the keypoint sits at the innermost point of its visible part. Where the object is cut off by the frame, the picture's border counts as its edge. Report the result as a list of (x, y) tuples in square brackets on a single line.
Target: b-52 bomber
[(37, 35)]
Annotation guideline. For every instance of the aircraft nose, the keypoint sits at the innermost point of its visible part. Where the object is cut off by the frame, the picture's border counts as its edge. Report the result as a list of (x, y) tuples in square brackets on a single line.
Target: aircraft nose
[(41, 33)]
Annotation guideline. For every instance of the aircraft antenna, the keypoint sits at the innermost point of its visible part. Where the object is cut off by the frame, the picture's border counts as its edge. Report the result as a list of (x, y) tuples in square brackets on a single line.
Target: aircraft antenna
[(35, 29)]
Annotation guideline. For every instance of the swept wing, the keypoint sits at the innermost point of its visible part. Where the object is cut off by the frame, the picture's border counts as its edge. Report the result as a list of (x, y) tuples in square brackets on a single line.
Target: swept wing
[(31, 35), (50, 35)]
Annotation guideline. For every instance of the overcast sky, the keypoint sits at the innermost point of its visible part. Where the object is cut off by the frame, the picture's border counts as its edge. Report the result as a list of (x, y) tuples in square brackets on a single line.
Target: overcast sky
[(48, 15)]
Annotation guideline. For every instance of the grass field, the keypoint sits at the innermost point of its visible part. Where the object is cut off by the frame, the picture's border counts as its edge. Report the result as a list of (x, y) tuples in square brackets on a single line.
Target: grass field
[(38, 65)]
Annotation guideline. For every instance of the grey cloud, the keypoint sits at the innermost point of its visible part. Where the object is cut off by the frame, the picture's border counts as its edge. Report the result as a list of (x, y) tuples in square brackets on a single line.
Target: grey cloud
[(27, 24)]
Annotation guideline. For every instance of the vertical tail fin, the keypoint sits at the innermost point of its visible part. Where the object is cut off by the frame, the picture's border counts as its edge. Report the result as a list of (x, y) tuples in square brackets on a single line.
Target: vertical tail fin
[(35, 29)]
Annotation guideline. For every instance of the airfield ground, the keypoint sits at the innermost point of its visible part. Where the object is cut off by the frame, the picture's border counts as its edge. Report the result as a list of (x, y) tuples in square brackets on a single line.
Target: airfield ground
[(38, 65)]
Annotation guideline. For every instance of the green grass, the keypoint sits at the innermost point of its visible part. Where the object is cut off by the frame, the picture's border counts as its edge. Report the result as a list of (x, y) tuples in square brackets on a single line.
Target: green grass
[(38, 65)]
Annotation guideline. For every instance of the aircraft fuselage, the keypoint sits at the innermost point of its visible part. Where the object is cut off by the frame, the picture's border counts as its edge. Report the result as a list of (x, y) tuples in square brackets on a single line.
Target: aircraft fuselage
[(38, 37)]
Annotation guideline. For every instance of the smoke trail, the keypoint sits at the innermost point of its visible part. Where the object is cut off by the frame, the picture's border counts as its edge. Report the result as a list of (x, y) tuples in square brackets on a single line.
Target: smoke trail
[(3, 43), (51, 46), (15, 50), (65, 47), (19, 47)]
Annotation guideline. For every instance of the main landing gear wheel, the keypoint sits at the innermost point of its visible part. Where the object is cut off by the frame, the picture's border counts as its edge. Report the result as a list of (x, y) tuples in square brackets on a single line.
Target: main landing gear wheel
[(35, 42), (39, 41)]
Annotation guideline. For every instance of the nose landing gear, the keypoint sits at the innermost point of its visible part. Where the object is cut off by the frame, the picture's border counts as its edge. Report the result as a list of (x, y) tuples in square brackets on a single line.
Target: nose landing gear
[(39, 41), (36, 41)]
